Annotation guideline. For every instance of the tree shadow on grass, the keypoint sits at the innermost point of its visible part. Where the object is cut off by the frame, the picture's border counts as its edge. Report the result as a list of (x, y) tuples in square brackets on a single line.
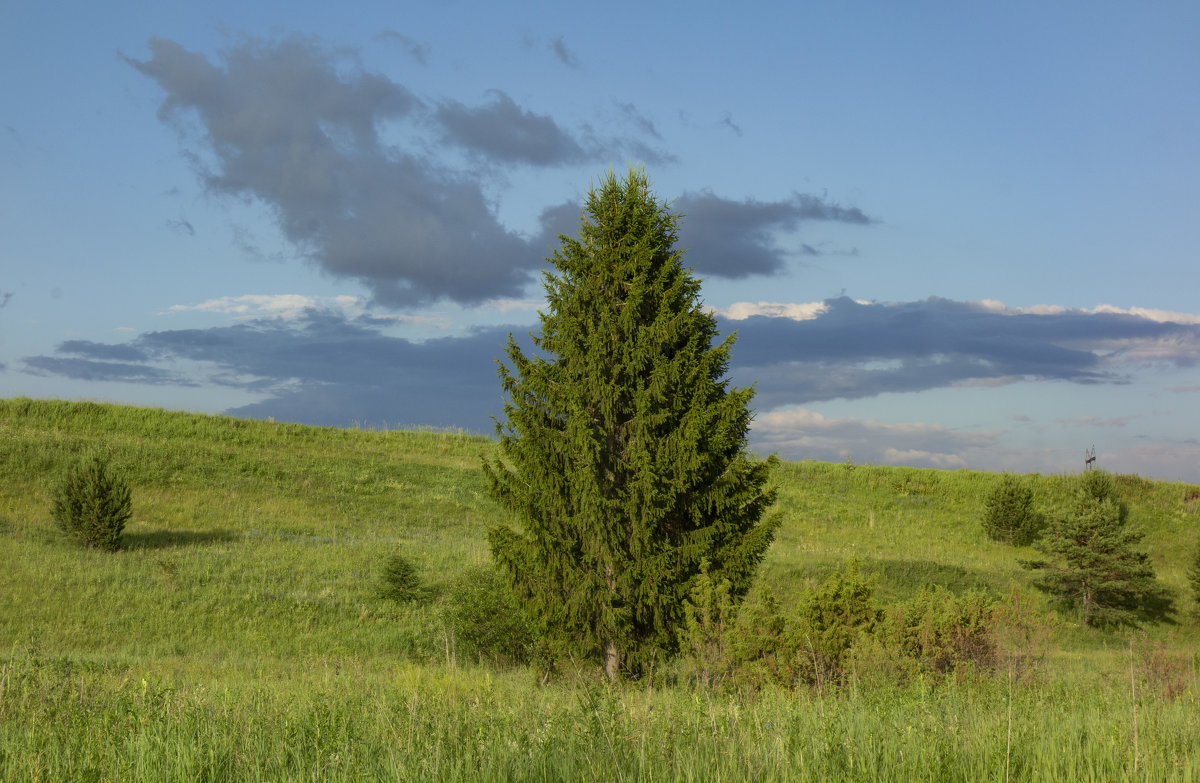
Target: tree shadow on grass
[(912, 575), (899, 578), (174, 539)]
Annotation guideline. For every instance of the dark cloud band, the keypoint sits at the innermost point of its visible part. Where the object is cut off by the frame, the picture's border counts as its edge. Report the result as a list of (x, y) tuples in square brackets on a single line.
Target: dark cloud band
[(325, 367)]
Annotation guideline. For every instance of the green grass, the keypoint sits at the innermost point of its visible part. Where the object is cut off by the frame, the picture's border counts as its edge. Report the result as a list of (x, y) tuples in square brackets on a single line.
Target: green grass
[(240, 634)]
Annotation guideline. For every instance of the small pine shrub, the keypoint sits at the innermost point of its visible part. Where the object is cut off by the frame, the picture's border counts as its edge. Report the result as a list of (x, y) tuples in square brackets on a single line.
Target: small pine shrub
[(708, 618), (760, 648), (1009, 515), (942, 631), (400, 582), (830, 622), (92, 504), (1193, 575)]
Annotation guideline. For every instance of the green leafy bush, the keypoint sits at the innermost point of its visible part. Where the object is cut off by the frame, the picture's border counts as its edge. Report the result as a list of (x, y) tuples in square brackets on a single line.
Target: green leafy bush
[(941, 631), (92, 504), (484, 619), (1009, 515), (757, 643)]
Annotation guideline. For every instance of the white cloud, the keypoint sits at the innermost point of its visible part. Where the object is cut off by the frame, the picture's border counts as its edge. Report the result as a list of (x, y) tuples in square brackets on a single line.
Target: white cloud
[(800, 311), (291, 307), (1096, 421), (799, 433), (1150, 314), (288, 306)]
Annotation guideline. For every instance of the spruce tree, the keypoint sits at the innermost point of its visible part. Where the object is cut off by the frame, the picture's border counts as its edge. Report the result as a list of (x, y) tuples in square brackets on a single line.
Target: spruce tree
[(1009, 515), (623, 447), (1095, 565)]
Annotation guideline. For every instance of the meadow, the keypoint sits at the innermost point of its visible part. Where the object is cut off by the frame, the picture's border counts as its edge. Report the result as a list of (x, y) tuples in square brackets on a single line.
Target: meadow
[(241, 634)]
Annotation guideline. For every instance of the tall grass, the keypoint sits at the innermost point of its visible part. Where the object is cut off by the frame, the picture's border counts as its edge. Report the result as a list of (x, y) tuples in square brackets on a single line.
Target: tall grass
[(62, 721)]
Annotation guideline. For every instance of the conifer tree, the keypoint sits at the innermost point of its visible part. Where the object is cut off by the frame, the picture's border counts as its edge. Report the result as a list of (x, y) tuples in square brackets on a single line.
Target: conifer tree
[(1009, 515), (1193, 574), (1095, 565), (623, 447)]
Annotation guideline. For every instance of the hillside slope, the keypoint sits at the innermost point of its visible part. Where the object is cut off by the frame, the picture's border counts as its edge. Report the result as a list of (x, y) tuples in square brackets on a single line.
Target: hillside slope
[(254, 538)]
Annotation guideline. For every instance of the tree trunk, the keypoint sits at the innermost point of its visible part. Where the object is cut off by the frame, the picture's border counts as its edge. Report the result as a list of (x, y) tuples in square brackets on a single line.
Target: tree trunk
[(611, 660)]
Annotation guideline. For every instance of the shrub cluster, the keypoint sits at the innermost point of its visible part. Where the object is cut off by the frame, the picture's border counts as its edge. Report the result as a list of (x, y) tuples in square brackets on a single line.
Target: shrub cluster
[(92, 504), (836, 629)]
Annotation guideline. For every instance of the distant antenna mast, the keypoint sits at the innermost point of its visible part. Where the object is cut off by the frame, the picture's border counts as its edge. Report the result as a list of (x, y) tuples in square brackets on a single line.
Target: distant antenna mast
[(1089, 457)]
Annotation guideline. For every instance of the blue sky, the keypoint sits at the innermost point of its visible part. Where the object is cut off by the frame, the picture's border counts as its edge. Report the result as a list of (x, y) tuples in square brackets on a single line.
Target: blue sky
[(947, 234)]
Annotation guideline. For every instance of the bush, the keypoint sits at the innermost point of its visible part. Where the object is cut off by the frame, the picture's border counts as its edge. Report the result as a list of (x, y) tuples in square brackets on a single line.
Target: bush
[(484, 619), (708, 619), (755, 643), (92, 504), (1193, 574), (400, 582), (830, 622), (941, 631), (760, 648), (1009, 515)]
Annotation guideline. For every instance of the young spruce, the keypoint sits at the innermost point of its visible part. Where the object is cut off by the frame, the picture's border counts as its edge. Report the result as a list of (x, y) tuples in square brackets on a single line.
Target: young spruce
[(623, 450)]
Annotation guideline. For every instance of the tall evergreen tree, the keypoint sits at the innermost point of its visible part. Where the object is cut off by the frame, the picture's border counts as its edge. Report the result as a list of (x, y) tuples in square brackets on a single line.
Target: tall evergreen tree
[(623, 449), (1095, 565)]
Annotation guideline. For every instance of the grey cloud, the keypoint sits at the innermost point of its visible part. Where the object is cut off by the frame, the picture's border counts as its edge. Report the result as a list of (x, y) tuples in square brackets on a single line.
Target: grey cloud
[(639, 120), (727, 121), (855, 350), (504, 131), (736, 239), (418, 51), (326, 368), (296, 127), (564, 55), (282, 124), (321, 369), (561, 219), (182, 226), (724, 238), (93, 350), (92, 370)]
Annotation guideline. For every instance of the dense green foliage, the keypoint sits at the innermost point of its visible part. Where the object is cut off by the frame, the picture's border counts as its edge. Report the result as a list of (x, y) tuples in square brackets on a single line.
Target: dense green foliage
[(485, 621), (836, 631), (92, 504), (1009, 514), (623, 449), (1095, 564), (239, 634), (1193, 572), (400, 580)]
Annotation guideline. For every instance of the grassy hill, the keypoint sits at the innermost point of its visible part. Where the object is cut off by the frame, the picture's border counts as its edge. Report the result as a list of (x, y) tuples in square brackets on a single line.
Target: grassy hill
[(240, 633)]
